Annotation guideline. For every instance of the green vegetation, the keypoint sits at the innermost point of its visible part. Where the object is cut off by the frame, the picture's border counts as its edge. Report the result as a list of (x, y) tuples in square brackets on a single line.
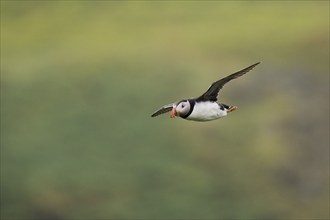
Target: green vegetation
[(80, 79)]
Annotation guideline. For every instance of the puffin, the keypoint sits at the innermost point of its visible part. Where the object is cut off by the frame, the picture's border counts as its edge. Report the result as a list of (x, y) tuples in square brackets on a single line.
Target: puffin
[(204, 107)]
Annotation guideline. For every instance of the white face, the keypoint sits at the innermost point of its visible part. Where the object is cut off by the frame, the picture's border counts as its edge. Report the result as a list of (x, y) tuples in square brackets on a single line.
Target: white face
[(182, 108)]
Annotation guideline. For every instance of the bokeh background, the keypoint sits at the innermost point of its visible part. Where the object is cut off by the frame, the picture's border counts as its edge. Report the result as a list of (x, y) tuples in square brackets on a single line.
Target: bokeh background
[(80, 79)]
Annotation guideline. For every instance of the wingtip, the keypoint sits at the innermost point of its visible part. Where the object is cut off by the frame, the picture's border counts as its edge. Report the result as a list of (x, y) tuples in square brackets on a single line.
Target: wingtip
[(253, 65), (154, 115)]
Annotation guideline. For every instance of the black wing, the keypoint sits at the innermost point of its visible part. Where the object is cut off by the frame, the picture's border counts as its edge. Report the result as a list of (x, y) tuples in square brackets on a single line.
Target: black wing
[(212, 93), (162, 110)]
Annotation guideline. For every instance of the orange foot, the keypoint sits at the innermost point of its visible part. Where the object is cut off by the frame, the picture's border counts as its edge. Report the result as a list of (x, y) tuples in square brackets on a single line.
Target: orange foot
[(231, 108)]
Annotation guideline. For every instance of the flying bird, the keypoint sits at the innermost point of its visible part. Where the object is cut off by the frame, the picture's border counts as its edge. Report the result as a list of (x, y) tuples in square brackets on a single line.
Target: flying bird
[(205, 107)]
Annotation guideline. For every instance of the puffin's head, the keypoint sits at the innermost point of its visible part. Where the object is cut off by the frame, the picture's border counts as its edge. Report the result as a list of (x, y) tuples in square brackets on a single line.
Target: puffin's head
[(180, 109)]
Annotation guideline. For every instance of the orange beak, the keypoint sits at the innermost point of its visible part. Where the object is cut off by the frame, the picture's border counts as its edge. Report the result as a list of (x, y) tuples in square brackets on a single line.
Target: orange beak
[(172, 115)]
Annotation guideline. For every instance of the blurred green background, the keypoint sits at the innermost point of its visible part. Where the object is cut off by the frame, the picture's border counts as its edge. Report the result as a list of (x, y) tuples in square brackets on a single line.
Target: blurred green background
[(80, 79)]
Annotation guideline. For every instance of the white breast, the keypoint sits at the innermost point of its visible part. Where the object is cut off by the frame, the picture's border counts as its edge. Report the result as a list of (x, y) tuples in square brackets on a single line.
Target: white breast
[(206, 111)]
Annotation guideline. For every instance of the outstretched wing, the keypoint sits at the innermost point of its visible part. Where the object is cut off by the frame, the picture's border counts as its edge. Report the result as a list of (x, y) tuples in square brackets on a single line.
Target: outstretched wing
[(212, 93), (162, 110)]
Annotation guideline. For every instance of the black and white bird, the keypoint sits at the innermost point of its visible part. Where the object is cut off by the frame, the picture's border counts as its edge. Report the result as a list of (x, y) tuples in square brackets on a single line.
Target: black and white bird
[(205, 107)]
